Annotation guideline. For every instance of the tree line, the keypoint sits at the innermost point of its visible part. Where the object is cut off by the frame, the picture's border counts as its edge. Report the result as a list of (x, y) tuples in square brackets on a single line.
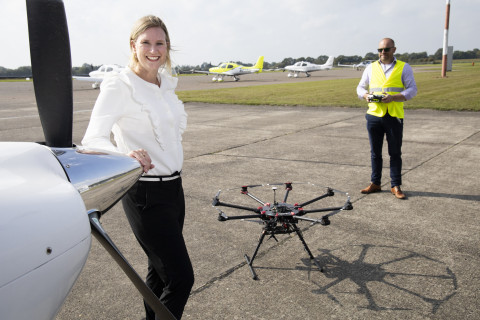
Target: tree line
[(26, 71), (412, 58)]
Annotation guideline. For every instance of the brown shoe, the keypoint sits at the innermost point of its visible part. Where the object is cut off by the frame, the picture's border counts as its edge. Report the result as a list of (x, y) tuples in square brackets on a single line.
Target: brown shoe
[(398, 192), (371, 188)]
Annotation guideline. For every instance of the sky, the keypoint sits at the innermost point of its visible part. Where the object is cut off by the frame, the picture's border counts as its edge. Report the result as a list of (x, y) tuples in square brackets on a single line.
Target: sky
[(214, 31)]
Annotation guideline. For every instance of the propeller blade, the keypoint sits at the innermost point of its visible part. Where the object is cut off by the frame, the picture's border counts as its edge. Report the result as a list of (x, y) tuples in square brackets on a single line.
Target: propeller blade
[(161, 312), (51, 69)]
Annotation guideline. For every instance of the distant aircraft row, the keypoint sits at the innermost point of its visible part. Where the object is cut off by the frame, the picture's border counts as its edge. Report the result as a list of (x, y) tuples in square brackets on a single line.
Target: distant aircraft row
[(232, 69)]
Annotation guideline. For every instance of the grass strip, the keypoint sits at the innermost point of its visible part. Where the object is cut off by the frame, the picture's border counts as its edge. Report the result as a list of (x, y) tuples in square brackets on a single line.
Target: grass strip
[(460, 91)]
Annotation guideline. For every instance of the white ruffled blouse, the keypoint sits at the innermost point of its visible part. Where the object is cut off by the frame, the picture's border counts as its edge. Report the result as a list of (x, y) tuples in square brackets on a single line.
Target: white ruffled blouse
[(140, 115)]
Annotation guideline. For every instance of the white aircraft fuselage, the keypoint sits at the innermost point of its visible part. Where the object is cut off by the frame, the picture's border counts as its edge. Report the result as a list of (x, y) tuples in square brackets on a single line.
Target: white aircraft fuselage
[(98, 75), (44, 232), (46, 196), (307, 67), (357, 66)]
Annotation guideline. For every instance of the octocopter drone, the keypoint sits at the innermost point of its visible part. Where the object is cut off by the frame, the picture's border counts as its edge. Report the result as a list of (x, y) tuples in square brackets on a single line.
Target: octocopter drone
[(280, 217)]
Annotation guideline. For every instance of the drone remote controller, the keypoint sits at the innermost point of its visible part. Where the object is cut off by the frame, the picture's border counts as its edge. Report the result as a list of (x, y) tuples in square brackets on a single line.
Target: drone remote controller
[(375, 97)]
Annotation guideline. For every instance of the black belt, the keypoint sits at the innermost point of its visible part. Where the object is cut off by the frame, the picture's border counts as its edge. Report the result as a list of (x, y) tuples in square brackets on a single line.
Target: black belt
[(173, 176)]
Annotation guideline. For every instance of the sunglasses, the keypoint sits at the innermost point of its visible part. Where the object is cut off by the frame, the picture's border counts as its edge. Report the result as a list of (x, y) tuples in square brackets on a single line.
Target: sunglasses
[(384, 49)]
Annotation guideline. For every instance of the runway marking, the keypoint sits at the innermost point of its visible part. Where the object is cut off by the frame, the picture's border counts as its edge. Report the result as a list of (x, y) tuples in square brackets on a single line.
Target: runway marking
[(92, 102), (36, 115), (22, 117)]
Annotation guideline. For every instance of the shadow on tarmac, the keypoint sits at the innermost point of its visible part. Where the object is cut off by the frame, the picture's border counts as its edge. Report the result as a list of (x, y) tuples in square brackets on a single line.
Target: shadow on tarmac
[(390, 284)]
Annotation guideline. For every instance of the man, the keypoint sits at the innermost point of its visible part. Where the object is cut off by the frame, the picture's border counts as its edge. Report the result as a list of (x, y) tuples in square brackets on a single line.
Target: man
[(386, 84)]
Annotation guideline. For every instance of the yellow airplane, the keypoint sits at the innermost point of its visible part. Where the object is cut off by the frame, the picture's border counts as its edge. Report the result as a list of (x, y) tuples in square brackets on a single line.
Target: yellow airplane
[(233, 70)]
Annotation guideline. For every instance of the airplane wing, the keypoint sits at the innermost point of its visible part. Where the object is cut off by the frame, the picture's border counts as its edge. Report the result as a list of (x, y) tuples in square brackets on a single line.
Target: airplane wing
[(226, 73), (89, 79), (346, 65), (314, 70), (234, 72), (96, 81), (240, 71)]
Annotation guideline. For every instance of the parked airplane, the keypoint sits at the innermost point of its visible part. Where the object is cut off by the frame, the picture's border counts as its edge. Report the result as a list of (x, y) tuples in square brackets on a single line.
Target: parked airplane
[(357, 66), (232, 69), (53, 194), (97, 76), (307, 67)]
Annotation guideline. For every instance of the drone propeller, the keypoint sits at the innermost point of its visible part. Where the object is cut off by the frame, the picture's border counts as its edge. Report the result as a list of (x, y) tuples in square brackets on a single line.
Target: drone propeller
[(51, 69), (52, 79)]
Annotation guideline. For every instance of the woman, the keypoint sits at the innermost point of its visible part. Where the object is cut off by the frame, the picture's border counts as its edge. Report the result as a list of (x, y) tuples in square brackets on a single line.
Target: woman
[(140, 107)]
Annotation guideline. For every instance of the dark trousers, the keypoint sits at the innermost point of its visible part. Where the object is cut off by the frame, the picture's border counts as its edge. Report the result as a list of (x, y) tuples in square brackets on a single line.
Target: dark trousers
[(156, 212), (378, 128)]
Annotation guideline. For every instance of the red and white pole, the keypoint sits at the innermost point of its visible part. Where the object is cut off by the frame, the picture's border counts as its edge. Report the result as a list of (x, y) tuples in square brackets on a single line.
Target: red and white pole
[(445, 42)]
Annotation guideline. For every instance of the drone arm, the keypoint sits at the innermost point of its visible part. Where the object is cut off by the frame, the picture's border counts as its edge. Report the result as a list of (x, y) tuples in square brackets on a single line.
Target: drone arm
[(322, 210), (323, 220), (335, 210), (223, 217), (346, 206), (287, 191), (329, 193), (219, 203), (254, 198)]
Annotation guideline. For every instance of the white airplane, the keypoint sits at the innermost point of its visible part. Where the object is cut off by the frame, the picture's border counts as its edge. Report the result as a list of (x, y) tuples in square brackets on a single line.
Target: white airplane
[(357, 66), (232, 69), (307, 67), (52, 195), (98, 75)]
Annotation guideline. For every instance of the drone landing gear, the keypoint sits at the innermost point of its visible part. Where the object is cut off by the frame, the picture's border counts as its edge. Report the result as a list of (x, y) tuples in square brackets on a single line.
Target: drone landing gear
[(269, 231)]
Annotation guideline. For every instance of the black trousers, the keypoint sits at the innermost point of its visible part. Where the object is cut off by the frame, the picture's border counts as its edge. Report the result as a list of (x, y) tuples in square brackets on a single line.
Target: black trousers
[(156, 212)]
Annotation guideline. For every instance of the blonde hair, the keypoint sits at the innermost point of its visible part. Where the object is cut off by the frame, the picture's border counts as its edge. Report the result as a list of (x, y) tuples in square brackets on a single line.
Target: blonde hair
[(139, 27)]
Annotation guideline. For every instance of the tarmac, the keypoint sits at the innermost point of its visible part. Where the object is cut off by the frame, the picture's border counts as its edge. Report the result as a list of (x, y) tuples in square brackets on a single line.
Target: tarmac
[(417, 258)]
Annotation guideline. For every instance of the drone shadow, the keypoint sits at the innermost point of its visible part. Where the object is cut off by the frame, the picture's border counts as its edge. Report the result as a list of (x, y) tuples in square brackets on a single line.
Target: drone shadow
[(426, 194), (386, 277)]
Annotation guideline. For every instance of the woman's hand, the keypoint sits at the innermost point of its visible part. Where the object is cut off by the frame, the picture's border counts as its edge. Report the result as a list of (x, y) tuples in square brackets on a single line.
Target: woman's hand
[(142, 156)]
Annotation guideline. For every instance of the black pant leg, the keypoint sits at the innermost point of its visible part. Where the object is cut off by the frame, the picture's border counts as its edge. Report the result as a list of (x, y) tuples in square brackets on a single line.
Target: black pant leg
[(156, 212)]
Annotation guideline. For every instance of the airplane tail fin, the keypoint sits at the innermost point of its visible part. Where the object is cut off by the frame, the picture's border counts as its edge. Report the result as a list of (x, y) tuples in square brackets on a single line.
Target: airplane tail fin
[(259, 64), (329, 62)]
